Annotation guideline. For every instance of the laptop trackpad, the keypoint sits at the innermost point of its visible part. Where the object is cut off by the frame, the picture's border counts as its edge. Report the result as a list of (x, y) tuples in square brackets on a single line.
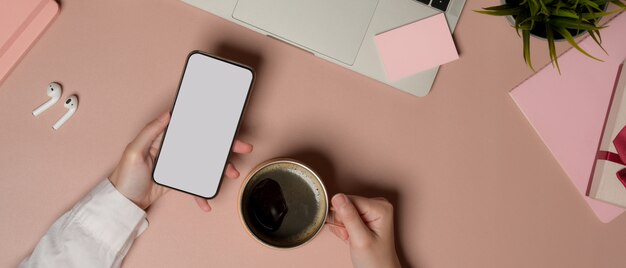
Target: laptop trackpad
[(334, 28)]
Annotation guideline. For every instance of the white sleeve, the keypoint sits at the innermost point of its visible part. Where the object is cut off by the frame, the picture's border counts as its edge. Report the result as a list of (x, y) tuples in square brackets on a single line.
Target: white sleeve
[(96, 232)]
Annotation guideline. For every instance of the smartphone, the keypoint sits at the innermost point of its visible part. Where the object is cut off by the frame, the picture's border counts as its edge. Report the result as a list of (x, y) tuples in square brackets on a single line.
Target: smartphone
[(211, 98)]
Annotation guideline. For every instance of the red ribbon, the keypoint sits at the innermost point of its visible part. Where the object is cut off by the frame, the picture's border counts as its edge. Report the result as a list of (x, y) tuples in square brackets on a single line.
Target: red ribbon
[(619, 157)]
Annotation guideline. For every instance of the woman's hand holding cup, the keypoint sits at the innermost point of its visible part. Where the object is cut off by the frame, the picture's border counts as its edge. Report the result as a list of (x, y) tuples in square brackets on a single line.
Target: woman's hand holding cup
[(368, 228)]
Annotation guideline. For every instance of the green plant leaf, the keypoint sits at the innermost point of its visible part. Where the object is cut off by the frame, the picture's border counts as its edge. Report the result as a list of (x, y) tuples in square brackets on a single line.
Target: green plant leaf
[(573, 4), (574, 24), (534, 7), (526, 24), (566, 13), (602, 2), (559, 5), (597, 15), (521, 22), (527, 58), (591, 4), (570, 39), (553, 56), (544, 7), (597, 32), (619, 4), (597, 40)]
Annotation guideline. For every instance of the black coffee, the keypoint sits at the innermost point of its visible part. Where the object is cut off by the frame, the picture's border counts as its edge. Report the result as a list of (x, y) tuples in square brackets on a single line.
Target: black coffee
[(267, 205), (283, 205)]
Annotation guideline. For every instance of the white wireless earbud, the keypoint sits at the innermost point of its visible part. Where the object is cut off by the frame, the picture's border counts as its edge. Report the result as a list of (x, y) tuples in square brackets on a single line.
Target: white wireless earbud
[(54, 92), (71, 104)]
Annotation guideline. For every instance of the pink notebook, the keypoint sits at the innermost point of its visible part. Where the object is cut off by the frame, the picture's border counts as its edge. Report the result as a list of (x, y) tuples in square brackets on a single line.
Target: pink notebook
[(21, 23), (568, 111)]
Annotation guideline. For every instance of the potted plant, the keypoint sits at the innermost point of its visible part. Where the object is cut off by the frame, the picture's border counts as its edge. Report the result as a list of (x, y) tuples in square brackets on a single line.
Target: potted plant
[(555, 20)]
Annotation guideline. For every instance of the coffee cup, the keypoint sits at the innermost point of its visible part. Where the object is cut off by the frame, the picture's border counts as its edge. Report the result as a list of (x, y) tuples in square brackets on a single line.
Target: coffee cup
[(283, 204)]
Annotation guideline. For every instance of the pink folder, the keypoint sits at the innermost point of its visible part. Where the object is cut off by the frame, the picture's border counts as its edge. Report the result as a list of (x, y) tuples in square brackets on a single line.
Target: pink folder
[(21, 23), (568, 111)]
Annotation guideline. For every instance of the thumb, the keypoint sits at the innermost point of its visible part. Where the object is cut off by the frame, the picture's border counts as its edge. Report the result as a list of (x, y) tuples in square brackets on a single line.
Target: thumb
[(349, 215), (150, 132)]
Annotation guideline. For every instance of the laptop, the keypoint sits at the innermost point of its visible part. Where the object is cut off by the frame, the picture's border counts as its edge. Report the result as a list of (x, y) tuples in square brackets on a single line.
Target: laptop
[(339, 31)]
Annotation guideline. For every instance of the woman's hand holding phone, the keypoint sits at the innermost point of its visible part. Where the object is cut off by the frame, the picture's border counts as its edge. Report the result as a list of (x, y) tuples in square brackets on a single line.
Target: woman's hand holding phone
[(133, 175)]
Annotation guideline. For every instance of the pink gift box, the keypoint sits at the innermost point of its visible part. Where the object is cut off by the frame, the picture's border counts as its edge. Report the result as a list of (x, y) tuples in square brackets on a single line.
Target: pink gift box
[(608, 182), (569, 110)]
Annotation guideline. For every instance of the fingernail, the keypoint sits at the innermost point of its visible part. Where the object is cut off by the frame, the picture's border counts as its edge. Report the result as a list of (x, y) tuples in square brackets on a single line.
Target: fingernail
[(340, 200)]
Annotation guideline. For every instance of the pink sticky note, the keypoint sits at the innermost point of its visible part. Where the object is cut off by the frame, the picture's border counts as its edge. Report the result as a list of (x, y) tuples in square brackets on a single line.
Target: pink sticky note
[(568, 111), (416, 47)]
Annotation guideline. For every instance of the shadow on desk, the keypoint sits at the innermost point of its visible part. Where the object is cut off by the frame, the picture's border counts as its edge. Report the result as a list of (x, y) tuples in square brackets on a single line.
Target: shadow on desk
[(240, 55), (325, 169)]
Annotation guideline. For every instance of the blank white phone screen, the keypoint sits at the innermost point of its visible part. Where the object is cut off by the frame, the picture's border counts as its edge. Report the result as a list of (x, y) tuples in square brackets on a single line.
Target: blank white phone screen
[(206, 114)]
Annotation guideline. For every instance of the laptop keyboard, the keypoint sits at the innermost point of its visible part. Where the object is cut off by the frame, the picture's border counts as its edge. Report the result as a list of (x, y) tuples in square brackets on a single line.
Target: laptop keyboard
[(438, 4)]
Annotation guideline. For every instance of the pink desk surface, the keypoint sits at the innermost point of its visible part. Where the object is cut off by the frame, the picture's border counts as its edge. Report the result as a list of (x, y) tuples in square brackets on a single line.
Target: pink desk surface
[(473, 184)]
